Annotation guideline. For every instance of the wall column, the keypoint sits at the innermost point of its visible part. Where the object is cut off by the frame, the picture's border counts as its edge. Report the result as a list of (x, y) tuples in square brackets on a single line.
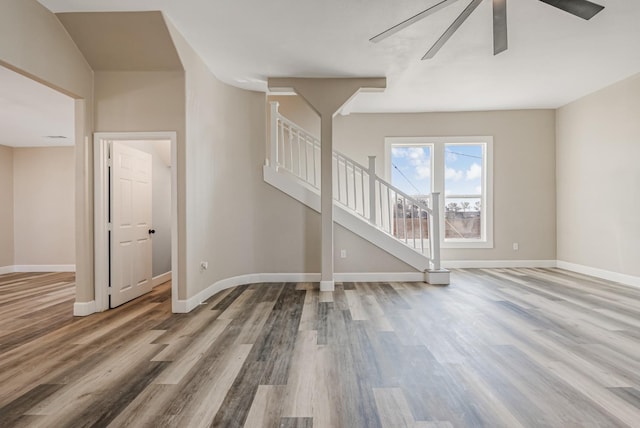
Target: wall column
[(326, 202), (327, 97)]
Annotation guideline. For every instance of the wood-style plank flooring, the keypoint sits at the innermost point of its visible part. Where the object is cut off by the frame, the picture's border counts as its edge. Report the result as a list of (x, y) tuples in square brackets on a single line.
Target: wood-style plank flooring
[(496, 348)]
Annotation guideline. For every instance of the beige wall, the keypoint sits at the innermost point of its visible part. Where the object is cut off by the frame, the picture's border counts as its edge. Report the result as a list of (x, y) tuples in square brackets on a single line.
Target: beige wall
[(139, 101), (523, 176), (598, 174), (34, 42), (362, 256), (6, 207), (43, 189), (235, 221)]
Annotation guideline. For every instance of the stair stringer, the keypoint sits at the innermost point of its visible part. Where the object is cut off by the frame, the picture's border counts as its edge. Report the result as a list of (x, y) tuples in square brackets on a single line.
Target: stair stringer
[(310, 197)]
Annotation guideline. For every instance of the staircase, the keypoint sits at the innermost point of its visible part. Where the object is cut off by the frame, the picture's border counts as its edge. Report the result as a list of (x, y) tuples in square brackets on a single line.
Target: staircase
[(364, 203)]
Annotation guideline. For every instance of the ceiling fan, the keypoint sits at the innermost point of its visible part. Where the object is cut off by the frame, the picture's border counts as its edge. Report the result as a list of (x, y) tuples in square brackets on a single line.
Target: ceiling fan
[(580, 8)]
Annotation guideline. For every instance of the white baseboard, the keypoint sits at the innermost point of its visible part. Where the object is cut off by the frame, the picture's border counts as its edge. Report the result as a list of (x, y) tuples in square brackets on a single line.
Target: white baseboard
[(438, 277), (82, 309), (488, 264), (6, 269), (44, 268), (329, 285), (184, 306), (379, 277), (161, 279), (622, 278)]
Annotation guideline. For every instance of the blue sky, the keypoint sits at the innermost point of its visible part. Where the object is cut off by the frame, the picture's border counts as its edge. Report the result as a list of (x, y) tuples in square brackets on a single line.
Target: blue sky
[(411, 169)]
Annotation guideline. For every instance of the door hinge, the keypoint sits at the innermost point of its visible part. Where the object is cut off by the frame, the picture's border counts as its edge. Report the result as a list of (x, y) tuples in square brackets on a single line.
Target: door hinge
[(109, 226), (109, 163)]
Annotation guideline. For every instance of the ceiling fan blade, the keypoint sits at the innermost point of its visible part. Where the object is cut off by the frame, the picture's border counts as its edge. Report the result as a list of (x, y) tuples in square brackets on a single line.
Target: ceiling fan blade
[(500, 39), (581, 8), (452, 29), (415, 18)]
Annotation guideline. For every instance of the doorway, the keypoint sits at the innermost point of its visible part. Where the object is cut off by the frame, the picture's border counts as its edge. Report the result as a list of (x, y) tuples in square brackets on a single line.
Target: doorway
[(124, 265)]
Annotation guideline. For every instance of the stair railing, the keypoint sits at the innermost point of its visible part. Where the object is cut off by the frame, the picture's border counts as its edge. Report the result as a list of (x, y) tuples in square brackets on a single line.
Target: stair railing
[(357, 188)]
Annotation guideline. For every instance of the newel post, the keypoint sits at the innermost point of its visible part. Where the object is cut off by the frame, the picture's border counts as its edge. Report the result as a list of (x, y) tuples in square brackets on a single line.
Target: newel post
[(273, 159), (434, 232), (372, 189)]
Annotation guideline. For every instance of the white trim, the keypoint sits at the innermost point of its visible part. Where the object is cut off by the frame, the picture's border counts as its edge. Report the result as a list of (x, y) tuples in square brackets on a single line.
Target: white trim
[(490, 264), (6, 269), (438, 277), (437, 145), (101, 198), (622, 278), (379, 277), (43, 268), (161, 279), (329, 285), (292, 187), (101, 227), (82, 309), (184, 306)]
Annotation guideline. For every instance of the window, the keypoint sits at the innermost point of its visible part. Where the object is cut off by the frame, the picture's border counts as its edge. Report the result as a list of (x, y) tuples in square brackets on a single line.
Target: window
[(460, 169)]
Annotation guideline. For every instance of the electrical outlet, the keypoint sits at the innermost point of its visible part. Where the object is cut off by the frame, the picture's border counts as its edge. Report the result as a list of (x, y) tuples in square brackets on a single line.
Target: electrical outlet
[(343, 254), (516, 247), (204, 266)]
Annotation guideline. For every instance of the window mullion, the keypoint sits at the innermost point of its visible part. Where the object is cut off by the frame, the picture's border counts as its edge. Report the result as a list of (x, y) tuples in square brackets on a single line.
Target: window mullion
[(438, 180)]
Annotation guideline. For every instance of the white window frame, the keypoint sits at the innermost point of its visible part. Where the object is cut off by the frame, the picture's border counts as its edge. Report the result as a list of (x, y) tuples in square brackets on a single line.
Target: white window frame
[(437, 145)]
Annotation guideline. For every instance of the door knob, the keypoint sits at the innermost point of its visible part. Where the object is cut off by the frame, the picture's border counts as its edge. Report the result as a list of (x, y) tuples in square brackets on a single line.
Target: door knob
[(152, 231)]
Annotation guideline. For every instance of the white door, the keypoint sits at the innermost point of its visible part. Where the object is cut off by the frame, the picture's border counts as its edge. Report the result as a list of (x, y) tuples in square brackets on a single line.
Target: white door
[(131, 231)]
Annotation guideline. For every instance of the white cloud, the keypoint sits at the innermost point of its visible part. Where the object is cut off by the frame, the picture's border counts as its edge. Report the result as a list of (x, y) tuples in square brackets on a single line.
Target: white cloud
[(416, 153), (423, 172), (397, 152), (478, 190), (418, 159), (451, 157), (474, 172), (452, 174)]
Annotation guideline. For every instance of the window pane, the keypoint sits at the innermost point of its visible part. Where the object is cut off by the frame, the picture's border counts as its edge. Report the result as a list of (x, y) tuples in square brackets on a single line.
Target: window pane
[(411, 170), (411, 173), (463, 190)]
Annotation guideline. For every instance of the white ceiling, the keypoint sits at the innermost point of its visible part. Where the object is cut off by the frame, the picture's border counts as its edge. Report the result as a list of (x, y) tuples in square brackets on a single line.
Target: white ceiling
[(30, 113), (553, 57)]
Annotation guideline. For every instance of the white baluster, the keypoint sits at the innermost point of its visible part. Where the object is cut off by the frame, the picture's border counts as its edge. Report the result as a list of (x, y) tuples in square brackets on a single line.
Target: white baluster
[(315, 168), (273, 160), (355, 193), (413, 226), (338, 175), (434, 231), (362, 190), (420, 211), (404, 220), (372, 189), (346, 182), (381, 205), (306, 159), (283, 161), (291, 168)]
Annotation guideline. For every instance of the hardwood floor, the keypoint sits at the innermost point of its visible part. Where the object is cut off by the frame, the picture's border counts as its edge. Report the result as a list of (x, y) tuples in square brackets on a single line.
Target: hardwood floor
[(496, 348)]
